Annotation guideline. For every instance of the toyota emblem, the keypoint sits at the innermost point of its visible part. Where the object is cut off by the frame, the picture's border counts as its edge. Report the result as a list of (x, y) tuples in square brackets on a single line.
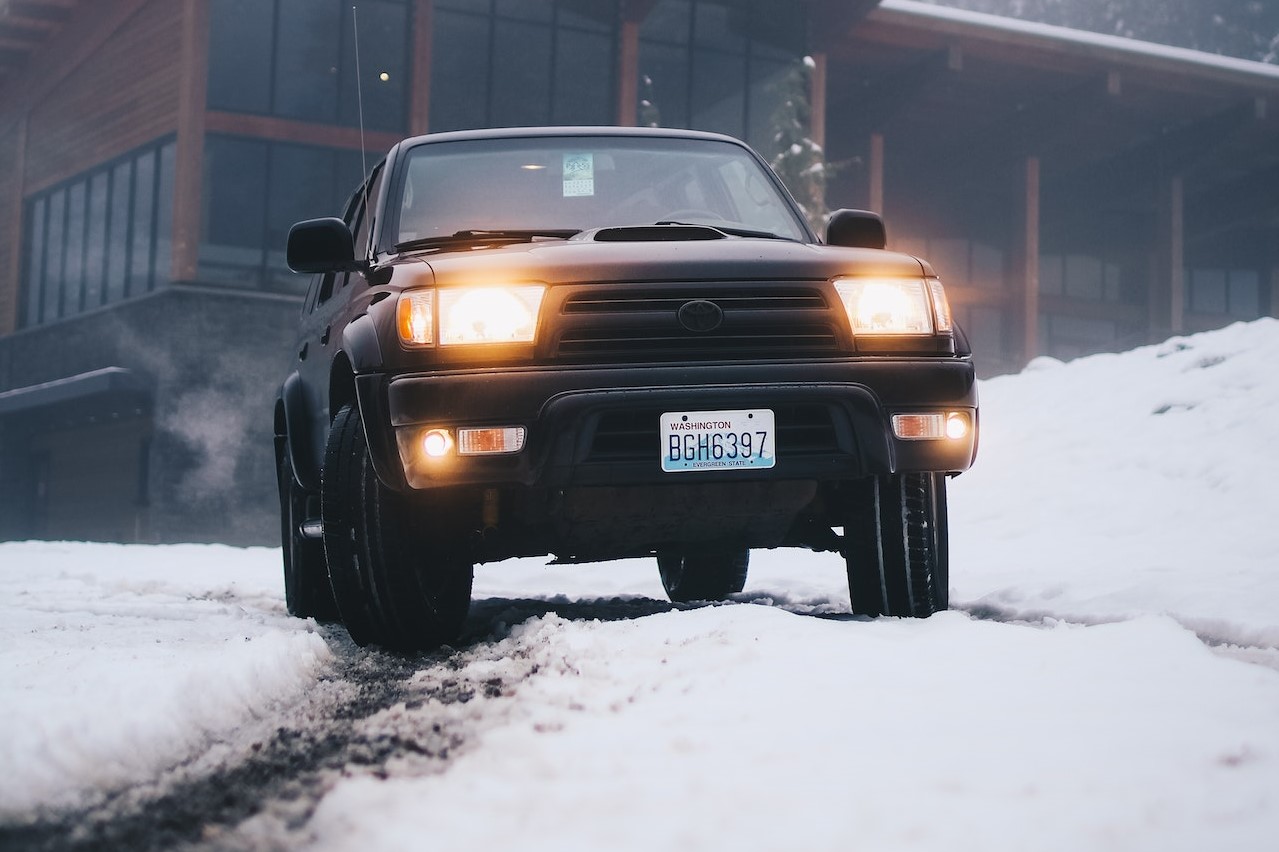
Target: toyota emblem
[(700, 315)]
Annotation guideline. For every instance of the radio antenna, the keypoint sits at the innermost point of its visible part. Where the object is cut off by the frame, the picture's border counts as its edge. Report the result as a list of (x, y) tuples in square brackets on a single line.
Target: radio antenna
[(359, 101)]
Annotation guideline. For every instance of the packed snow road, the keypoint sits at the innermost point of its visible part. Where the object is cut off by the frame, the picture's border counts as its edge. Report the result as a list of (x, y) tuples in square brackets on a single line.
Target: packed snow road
[(1109, 678)]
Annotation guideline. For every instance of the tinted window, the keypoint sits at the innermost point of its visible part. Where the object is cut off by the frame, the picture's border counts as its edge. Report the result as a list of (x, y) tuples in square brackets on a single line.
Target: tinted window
[(585, 182), (500, 63), (718, 65), (241, 33), (254, 192), (296, 59)]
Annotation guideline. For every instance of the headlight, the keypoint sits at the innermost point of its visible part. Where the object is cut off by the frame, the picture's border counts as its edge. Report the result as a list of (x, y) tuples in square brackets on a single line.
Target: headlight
[(489, 314), (415, 317), (890, 306)]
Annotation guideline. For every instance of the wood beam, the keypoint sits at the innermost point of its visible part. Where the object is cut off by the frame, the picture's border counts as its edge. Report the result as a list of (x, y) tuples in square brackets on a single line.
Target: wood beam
[(1274, 290), (628, 73), (1029, 253), (1168, 290), (189, 157), (10, 319), (300, 132), (817, 100), (420, 86)]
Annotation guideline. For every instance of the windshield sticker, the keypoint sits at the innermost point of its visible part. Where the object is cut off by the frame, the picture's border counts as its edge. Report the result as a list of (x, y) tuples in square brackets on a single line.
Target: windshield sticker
[(579, 175)]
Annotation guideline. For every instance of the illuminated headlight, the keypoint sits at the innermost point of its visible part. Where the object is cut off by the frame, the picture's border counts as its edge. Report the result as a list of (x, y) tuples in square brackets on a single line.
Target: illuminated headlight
[(489, 314), (415, 317), (892, 305)]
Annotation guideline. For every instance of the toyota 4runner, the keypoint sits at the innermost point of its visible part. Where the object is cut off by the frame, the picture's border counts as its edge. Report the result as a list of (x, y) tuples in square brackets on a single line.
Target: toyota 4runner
[(604, 343)]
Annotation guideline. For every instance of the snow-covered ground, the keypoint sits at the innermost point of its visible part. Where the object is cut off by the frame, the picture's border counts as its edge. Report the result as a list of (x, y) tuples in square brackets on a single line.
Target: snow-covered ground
[(1109, 678)]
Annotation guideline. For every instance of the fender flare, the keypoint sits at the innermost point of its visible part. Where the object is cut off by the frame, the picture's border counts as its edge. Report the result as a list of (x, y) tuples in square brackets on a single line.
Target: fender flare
[(297, 429), (360, 343)]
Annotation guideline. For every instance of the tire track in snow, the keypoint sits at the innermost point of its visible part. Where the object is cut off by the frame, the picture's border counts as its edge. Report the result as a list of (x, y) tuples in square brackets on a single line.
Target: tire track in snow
[(378, 714), (1222, 638)]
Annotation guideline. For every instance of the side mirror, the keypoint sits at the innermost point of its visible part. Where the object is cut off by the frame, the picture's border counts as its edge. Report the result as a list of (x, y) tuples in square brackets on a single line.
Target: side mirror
[(856, 229), (321, 245)]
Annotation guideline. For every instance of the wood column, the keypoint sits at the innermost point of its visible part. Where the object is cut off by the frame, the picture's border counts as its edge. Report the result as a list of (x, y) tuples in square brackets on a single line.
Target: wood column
[(189, 161), (11, 308), (817, 100), (420, 85), (1168, 290), (875, 173), (1274, 291), (628, 68), (1030, 262)]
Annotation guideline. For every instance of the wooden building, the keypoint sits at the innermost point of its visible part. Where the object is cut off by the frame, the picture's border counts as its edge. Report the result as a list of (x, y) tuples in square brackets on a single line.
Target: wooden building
[(1077, 193)]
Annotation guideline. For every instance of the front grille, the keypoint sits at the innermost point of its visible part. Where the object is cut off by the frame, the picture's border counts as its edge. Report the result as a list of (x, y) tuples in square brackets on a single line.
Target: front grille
[(631, 322), (753, 299), (634, 435)]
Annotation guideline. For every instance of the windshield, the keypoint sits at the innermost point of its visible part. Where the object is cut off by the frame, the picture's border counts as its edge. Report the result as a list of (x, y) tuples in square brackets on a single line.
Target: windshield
[(576, 183)]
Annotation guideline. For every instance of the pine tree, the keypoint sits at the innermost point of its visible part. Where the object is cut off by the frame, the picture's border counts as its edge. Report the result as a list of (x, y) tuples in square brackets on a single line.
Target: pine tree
[(800, 162)]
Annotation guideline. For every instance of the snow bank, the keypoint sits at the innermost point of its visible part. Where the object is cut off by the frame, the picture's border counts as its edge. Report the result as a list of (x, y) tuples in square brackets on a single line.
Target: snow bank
[(117, 661), (1134, 483)]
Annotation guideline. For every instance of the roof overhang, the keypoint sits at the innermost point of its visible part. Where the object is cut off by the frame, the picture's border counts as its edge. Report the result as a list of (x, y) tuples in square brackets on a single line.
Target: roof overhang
[(26, 26), (108, 381)]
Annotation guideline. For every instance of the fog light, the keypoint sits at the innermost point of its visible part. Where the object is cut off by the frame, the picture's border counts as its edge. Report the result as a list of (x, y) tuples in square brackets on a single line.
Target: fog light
[(436, 443), (957, 425), (490, 441), (917, 427)]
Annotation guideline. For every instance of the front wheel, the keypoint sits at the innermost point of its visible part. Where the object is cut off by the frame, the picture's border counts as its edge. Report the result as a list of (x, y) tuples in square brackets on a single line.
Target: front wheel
[(306, 581), (895, 545), (398, 580), (703, 575)]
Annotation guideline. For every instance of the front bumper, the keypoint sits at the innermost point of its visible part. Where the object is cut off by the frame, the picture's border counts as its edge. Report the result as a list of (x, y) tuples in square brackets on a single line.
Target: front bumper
[(599, 425)]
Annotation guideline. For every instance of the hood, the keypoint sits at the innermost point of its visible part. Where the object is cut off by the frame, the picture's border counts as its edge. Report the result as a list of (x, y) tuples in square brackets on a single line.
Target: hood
[(587, 260)]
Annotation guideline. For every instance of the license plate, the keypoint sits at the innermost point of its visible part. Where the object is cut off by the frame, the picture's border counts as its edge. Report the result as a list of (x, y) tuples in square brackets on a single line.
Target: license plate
[(718, 440)]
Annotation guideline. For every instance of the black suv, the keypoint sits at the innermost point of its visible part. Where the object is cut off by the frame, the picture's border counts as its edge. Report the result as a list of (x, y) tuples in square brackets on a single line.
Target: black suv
[(602, 343)]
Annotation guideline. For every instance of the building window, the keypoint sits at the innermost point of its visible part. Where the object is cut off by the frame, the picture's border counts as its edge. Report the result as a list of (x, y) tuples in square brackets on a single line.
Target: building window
[(719, 65), (103, 236), (1078, 276), (254, 191), (297, 59), (510, 63), (1231, 292)]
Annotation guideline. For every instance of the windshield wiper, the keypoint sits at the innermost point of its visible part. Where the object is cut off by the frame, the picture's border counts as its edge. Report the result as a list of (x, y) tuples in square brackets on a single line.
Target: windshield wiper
[(482, 237), (728, 229)]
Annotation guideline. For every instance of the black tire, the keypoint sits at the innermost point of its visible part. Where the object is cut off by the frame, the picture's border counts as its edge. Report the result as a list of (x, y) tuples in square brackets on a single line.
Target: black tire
[(703, 575), (895, 546), (307, 592), (397, 581)]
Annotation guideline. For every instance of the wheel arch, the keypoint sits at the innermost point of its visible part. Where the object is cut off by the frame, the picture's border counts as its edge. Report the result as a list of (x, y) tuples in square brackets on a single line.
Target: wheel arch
[(292, 430)]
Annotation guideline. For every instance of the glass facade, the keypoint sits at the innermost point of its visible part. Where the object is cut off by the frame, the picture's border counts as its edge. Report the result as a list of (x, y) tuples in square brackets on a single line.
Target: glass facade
[(719, 65), (254, 190), (511, 63), (1231, 292), (297, 59), (104, 236)]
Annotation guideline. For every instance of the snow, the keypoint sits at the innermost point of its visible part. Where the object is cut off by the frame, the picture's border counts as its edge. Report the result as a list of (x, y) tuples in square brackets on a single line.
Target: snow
[(1116, 46), (116, 660), (1108, 679)]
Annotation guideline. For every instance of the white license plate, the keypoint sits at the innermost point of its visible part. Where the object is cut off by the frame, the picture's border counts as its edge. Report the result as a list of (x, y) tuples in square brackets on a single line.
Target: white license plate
[(718, 440)]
